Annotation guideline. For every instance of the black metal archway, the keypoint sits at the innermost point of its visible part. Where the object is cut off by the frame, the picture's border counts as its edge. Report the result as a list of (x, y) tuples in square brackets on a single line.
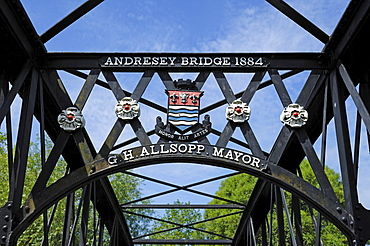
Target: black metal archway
[(335, 75)]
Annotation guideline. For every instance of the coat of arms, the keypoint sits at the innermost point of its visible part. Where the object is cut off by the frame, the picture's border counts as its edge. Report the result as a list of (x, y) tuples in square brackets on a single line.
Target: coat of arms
[(183, 113)]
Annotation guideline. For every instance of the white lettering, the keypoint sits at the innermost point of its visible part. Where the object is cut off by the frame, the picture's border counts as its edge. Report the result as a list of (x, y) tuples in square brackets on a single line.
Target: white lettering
[(118, 61), (243, 61), (184, 61), (246, 161), (137, 61), (256, 162), (217, 61), (155, 61), (191, 148), (218, 152), (200, 61), (259, 62), (237, 155), (163, 61), (226, 61), (207, 61), (108, 62), (164, 151), (146, 61), (182, 148), (229, 155), (144, 152), (173, 148), (152, 149), (112, 159), (193, 61), (127, 155), (183, 137), (166, 134), (200, 149), (172, 60), (128, 61)]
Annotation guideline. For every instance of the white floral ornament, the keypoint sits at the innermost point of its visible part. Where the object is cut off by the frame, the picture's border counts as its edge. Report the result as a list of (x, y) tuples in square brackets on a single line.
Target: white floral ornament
[(294, 115), (238, 111), (71, 119), (127, 109)]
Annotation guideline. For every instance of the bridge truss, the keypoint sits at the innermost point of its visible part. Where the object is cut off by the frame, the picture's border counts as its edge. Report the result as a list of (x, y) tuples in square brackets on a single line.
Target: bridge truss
[(334, 76)]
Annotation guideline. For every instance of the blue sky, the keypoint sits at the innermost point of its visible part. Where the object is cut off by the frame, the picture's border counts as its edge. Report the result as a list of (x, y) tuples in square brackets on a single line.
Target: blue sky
[(188, 26), (183, 26)]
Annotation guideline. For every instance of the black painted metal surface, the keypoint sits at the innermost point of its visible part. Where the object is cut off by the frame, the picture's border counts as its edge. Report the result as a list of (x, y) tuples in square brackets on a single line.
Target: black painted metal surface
[(334, 76)]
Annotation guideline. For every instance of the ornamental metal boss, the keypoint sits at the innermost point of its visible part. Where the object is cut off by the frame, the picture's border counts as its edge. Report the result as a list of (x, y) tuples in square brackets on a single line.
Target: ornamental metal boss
[(294, 115), (71, 119), (238, 111), (127, 109)]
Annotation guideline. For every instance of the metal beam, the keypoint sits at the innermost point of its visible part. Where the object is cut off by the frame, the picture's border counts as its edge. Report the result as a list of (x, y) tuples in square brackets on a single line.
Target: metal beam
[(69, 19), (88, 61), (348, 28), (343, 142), (21, 28), (23, 143), (183, 241), (300, 20), (276, 174), (284, 142), (311, 97), (5, 106), (182, 206)]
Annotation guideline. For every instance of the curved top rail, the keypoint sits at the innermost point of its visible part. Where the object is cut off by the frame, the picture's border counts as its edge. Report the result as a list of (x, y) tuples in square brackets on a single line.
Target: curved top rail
[(186, 153)]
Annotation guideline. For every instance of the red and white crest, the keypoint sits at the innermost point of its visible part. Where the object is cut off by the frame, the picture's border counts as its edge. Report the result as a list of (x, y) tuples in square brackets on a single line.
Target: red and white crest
[(183, 108)]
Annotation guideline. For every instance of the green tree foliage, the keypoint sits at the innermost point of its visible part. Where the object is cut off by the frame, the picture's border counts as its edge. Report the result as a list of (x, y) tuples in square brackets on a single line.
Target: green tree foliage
[(127, 188), (236, 188), (4, 174), (330, 233), (239, 188), (179, 218)]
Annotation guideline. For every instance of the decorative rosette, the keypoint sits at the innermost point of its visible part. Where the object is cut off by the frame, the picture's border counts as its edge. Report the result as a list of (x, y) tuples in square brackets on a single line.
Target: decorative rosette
[(71, 119), (238, 111), (127, 109), (294, 115)]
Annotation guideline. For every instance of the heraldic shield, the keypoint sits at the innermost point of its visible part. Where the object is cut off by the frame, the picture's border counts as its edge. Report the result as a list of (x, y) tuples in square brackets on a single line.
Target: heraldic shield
[(183, 108)]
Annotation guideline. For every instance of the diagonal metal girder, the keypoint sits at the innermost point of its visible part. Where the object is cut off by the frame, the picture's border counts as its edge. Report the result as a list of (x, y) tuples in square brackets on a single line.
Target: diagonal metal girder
[(346, 43), (300, 20), (69, 19), (346, 37), (24, 41)]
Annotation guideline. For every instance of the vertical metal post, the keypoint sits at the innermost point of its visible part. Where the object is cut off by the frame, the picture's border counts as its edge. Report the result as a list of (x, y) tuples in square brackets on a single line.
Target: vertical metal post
[(343, 141), (85, 215), (68, 218), (23, 140), (280, 217)]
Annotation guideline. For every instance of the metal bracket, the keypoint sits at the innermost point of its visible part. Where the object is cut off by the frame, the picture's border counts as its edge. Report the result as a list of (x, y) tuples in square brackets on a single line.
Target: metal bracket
[(5, 222), (362, 223)]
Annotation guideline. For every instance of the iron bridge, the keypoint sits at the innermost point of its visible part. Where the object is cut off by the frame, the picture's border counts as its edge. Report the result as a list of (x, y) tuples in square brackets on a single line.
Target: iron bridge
[(30, 77)]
